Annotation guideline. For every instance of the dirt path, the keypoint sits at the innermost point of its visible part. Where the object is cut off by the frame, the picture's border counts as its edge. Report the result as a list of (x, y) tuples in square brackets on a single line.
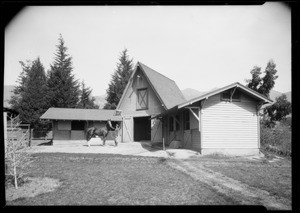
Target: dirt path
[(241, 192)]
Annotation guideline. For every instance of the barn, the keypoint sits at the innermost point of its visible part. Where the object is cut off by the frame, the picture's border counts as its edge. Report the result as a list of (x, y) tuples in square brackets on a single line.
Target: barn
[(69, 124), (147, 94), (222, 120)]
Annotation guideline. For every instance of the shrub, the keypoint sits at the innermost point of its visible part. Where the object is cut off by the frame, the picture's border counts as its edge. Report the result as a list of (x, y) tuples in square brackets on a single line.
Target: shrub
[(277, 139)]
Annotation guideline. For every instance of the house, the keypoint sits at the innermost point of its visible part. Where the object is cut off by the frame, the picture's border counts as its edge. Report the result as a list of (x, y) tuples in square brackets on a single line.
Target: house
[(71, 124), (147, 94), (224, 120)]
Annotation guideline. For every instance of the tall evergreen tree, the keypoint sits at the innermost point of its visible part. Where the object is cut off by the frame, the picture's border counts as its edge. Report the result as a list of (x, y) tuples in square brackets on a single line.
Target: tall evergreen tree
[(86, 101), (29, 97), (119, 80), (265, 84), (63, 89)]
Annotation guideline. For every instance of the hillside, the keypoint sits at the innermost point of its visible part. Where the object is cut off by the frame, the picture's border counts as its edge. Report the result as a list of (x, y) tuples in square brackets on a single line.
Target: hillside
[(8, 92), (190, 93), (100, 101)]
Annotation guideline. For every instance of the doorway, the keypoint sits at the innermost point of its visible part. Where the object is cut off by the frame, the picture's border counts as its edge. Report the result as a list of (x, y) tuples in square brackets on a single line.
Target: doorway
[(142, 128)]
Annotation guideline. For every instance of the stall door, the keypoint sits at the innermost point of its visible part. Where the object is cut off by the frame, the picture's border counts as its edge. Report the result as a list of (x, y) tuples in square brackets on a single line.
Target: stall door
[(127, 129)]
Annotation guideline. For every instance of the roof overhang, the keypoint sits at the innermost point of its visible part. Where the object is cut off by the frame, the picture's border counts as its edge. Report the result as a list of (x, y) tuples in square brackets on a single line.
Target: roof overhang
[(254, 94), (249, 91)]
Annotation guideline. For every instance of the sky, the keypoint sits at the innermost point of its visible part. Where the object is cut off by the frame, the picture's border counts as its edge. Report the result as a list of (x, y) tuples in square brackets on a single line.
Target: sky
[(199, 47)]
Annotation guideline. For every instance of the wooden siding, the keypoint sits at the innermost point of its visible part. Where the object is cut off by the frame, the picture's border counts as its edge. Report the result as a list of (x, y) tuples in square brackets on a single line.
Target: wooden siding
[(129, 101), (195, 137), (230, 124), (156, 130)]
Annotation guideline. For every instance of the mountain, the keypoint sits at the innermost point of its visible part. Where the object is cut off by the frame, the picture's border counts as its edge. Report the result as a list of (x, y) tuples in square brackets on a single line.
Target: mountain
[(8, 92), (289, 96), (190, 93), (100, 101)]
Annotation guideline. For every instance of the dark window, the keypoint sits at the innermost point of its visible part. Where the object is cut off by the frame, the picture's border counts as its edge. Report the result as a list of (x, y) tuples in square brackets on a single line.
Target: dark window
[(171, 124), (177, 122), (186, 119), (77, 125), (142, 99), (225, 96)]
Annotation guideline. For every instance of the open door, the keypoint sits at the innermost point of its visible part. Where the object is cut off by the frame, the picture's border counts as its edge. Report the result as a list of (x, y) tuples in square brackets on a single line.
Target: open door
[(142, 128)]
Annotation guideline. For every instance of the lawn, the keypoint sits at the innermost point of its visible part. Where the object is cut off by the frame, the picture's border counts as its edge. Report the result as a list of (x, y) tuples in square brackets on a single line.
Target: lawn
[(99, 179), (107, 179), (267, 174)]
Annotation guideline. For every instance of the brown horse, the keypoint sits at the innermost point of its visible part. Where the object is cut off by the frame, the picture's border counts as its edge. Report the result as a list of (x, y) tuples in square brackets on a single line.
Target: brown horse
[(102, 133)]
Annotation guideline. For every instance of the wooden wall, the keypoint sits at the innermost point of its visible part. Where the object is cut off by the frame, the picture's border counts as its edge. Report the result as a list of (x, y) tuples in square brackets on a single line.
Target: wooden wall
[(230, 124)]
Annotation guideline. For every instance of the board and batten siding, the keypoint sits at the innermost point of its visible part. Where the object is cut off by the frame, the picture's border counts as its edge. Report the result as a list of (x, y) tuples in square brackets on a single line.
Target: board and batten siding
[(129, 102), (228, 125)]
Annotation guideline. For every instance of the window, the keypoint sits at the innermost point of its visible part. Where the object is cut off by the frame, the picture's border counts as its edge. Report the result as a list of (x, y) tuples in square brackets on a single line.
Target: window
[(171, 124), (225, 96), (177, 122), (77, 125), (186, 117), (142, 99)]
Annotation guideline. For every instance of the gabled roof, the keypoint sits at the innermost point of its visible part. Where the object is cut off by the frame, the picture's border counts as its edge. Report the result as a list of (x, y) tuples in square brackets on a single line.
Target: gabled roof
[(80, 114), (249, 91), (206, 95), (165, 89)]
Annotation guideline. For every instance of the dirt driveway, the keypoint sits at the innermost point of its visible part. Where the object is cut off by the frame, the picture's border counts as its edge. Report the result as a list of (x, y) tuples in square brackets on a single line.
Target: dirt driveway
[(239, 191)]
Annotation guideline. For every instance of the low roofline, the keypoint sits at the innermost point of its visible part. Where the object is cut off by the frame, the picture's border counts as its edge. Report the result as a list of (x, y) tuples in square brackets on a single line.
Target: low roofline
[(214, 92)]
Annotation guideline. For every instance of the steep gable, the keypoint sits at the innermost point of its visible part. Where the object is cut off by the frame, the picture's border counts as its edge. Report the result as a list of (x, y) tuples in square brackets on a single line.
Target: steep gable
[(165, 89)]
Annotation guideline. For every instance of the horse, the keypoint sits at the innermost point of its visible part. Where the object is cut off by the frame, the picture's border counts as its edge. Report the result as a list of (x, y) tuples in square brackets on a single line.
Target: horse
[(102, 133)]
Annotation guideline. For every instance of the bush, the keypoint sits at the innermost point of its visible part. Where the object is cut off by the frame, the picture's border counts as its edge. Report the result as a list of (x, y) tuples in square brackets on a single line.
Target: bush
[(277, 139)]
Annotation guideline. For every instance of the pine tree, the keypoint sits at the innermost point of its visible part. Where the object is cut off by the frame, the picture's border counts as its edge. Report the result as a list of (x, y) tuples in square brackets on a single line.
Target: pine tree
[(86, 101), (30, 99), (63, 89), (119, 80)]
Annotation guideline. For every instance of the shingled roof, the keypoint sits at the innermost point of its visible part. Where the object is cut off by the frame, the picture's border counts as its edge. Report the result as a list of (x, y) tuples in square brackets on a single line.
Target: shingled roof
[(80, 114), (165, 89)]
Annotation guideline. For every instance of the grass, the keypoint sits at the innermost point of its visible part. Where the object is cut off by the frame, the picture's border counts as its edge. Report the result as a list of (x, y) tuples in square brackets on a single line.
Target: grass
[(99, 179), (278, 139), (274, 177)]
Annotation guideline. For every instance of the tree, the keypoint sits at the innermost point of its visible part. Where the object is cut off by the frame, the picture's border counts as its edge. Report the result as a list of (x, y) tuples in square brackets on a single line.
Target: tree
[(279, 110), (63, 89), (265, 84), (85, 99), (17, 159), (29, 98), (119, 81)]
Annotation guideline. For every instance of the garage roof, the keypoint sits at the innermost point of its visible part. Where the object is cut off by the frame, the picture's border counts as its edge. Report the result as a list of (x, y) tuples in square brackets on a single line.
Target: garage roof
[(80, 114)]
